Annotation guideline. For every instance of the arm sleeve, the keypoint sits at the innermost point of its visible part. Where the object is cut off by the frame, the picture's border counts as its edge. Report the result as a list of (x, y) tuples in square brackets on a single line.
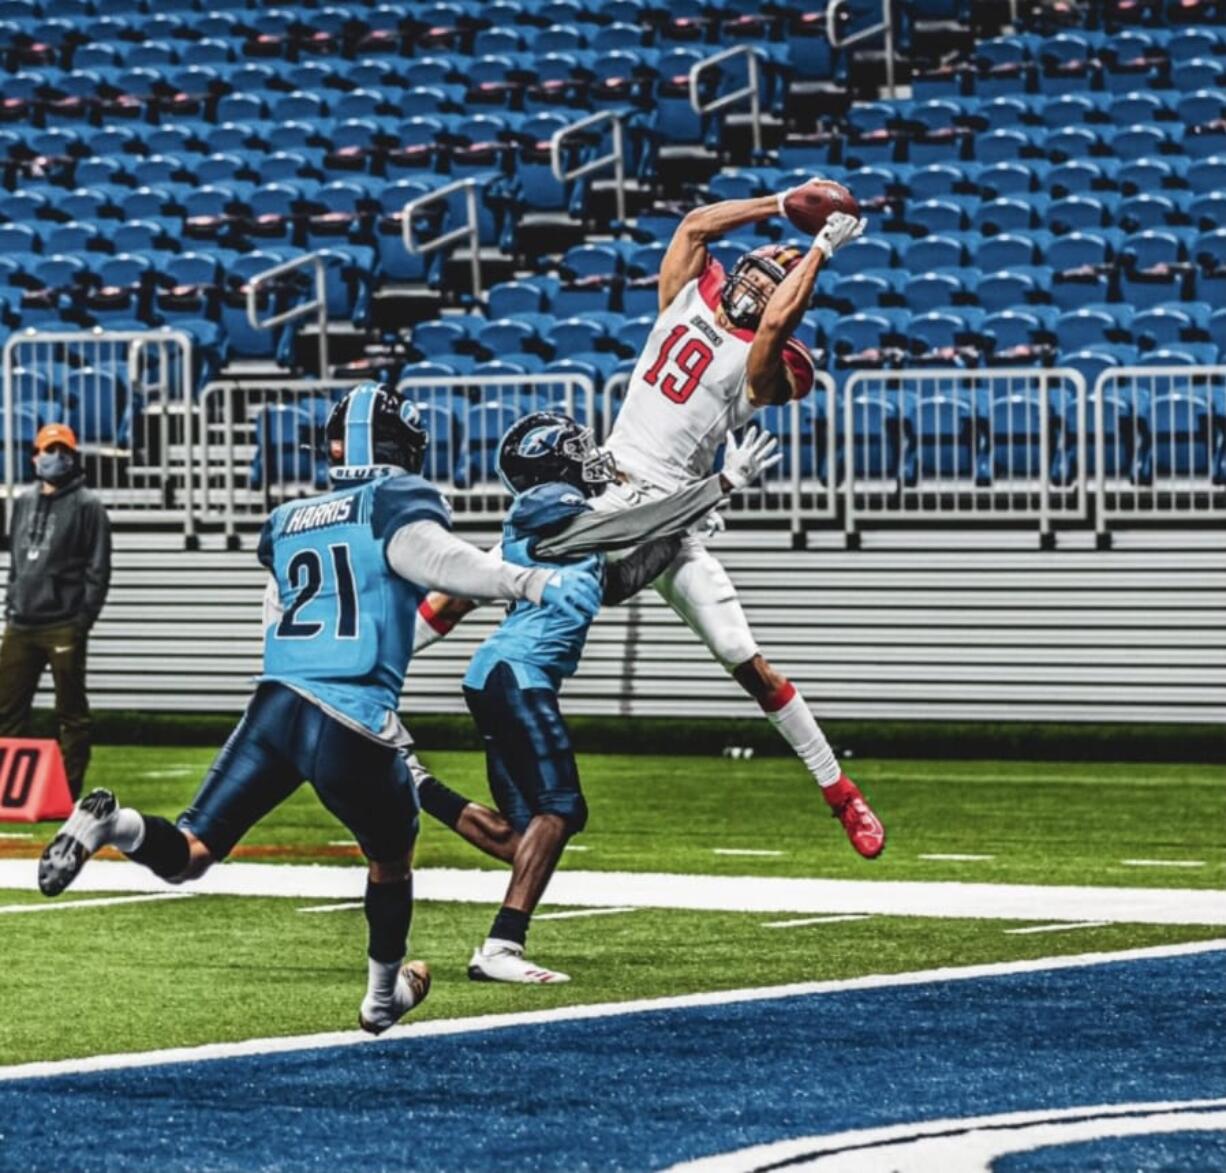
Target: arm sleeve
[(627, 576), (425, 553), (263, 551), (591, 532), (272, 603), (98, 568)]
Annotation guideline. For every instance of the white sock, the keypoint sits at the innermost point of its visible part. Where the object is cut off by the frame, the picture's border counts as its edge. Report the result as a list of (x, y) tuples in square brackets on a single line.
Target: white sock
[(128, 832), (381, 979), (798, 728)]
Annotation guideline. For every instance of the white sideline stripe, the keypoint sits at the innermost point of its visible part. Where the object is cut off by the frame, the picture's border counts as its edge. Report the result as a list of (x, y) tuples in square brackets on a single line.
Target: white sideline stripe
[(342, 843), (335, 907), (1061, 928), (579, 912), (481, 1023), (964, 1145), (770, 894), (742, 851), (1163, 863), (814, 920), (16, 834), (101, 903), (955, 858)]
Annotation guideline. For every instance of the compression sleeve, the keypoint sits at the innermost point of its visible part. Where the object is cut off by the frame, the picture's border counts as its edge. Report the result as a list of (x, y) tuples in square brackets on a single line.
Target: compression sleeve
[(627, 576), (425, 553), (591, 532)]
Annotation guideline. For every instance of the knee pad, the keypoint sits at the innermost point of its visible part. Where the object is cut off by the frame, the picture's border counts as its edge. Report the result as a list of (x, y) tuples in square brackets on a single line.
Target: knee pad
[(732, 644), (570, 808)]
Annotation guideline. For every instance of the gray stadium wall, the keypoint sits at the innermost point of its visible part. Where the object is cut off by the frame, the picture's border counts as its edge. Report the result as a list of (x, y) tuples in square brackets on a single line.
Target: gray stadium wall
[(939, 626)]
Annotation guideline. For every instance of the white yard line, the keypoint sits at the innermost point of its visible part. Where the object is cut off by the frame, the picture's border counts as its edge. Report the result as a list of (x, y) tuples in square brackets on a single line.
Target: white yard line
[(814, 920), (1163, 863), (971, 1144), (335, 907), (769, 894), (954, 858), (342, 843), (1060, 928), (179, 773), (575, 847), (105, 902), (742, 851), (577, 912), (440, 1027), (16, 834)]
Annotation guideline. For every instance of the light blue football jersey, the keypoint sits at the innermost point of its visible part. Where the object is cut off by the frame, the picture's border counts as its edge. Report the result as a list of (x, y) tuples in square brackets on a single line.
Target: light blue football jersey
[(345, 635), (542, 644)]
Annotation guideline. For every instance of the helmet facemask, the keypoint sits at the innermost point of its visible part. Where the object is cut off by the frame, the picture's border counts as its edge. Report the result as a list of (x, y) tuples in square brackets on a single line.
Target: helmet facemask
[(597, 467), (743, 301)]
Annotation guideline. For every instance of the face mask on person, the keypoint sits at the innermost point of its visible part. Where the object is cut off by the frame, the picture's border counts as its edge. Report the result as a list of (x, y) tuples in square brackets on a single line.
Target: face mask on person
[(54, 467)]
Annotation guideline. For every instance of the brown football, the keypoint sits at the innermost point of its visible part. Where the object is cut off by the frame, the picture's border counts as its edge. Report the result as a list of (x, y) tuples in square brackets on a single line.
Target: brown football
[(810, 205)]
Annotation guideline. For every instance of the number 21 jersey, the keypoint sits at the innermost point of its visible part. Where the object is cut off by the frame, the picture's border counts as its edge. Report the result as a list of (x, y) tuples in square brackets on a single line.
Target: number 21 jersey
[(689, 388)]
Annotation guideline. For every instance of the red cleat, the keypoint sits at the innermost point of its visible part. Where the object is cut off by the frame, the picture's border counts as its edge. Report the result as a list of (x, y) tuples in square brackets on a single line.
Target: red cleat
[(863, 827)]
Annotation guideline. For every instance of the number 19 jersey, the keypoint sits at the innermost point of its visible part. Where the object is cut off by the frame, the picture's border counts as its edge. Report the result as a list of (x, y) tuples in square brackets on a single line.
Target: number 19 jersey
[(345, 633), (689, 388)]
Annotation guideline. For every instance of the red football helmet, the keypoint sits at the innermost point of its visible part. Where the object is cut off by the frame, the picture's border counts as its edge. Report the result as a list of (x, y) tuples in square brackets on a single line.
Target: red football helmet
[(742, 300)]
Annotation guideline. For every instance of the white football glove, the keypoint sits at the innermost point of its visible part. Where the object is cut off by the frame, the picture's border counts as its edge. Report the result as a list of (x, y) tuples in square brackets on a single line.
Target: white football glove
[(712, 524), (745, 462), (838, 230), (781, 198)]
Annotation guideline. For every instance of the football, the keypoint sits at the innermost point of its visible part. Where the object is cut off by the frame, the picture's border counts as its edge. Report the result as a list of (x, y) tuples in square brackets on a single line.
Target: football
[(811, 204)]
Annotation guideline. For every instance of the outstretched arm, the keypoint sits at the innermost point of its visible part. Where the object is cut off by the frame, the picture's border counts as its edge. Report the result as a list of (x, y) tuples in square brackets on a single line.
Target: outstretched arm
[(589, 532), (687, 252), (771, 379)]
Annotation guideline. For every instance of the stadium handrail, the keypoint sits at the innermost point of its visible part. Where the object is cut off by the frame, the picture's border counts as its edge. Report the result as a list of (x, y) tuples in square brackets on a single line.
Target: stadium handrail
[(616, 156), (470, 230), (886, 27), (752, 57), (318, 306)]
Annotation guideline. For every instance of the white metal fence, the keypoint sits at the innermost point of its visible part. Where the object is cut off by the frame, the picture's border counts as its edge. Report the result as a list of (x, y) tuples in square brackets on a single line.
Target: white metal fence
[(1160, 444), (127, 397), (1004, 447)]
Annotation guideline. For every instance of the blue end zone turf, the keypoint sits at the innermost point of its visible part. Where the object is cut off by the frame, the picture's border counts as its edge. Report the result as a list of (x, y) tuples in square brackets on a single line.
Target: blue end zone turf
[(647, 1090), (1177, 1152)]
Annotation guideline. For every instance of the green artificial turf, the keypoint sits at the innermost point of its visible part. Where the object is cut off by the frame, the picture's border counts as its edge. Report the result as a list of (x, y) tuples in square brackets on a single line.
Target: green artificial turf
[(1046, 823), (135, 977)]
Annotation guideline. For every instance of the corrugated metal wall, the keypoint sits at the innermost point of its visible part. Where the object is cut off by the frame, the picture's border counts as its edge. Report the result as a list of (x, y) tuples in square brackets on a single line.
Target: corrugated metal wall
[(943, 624)]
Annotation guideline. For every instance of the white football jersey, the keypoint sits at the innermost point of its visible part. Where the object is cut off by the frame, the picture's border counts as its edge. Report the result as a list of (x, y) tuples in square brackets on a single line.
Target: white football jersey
[(688, 389)]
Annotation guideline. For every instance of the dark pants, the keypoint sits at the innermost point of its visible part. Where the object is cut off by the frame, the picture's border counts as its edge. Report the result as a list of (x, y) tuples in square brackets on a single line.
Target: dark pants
[(528, 756), (283, 739), (24, 653)]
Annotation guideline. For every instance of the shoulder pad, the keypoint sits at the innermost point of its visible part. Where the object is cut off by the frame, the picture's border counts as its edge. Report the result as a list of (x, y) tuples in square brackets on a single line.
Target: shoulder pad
[(399, 500), (544, 507)]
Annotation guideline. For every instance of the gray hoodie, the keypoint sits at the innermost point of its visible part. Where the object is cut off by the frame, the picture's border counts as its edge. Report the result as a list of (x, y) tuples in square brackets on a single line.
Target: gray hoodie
[(59, 557)]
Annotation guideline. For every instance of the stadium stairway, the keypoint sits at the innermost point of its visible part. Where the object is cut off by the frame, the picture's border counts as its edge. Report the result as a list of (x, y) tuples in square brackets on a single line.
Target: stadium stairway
[(950, 627)]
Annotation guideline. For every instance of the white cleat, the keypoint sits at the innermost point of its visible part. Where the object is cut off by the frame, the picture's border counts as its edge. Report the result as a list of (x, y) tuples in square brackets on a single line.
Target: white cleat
[(412, 986), (503, 961), (87, 829)]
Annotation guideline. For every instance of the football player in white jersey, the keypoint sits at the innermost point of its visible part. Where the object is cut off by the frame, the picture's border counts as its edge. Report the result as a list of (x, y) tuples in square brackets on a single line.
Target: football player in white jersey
[(721, 348)]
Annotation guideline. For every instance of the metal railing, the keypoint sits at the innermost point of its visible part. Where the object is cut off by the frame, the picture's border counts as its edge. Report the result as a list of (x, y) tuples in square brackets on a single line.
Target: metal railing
[(318, 306), (128, 397), (263, 441), (470, 230), (884, 28), (616, 156), (998, 445), (750, 91), (1159, 444)]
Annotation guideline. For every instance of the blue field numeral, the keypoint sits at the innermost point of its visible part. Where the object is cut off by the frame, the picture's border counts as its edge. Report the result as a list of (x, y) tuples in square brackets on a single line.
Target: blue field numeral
[(306, 574)]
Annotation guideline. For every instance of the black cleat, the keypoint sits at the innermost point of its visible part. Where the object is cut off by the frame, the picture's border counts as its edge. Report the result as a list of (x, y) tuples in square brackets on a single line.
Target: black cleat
[(86, 830)]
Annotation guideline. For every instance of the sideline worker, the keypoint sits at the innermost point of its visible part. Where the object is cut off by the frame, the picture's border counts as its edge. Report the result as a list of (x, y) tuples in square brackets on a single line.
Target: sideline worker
[(59, 571)]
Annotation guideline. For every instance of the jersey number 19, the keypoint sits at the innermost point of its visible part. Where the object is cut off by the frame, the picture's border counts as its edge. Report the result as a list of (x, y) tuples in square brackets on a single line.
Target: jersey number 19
[(690, 361)]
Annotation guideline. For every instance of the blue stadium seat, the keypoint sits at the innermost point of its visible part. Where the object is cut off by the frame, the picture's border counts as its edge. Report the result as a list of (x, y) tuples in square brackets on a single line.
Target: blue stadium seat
[(946, 438), (484, 426), (1187, 440)]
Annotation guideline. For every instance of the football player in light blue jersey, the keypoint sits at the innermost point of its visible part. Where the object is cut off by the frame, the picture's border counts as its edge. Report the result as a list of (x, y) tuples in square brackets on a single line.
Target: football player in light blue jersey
[(552, 467), (348, 571)]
